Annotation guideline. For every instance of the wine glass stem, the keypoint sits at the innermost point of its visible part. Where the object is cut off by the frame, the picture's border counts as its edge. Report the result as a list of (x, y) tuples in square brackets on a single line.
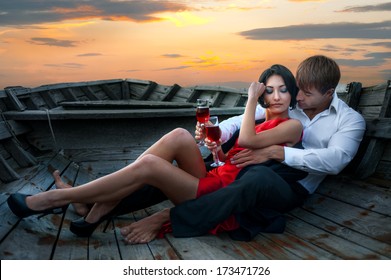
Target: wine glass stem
[(216, 156), (202, 142)]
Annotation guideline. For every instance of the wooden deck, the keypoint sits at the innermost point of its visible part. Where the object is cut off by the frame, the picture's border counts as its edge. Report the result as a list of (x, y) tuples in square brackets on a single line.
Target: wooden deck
[(333, 224)]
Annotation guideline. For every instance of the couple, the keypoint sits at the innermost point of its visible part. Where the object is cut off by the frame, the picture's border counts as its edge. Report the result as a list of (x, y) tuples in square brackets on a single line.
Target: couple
[(265, 174)]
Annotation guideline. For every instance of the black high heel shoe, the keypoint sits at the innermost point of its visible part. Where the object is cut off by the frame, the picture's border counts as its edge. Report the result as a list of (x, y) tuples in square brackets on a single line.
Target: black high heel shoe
[(85, 229), (17, 203)]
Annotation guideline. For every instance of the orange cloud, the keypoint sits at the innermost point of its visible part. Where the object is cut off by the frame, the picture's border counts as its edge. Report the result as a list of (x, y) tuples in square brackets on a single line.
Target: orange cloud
[(79, 9)]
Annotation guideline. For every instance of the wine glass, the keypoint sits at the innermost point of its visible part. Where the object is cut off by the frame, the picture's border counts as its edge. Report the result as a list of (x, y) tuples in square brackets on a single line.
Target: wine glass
[(213, 133), (202, 114)]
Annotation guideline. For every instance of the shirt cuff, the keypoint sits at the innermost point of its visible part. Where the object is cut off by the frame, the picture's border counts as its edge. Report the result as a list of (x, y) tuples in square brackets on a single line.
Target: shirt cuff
[(293, 157)]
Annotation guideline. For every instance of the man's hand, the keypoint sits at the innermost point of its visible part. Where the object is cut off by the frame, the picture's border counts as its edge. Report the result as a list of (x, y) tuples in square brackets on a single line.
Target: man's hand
[(247, 157)]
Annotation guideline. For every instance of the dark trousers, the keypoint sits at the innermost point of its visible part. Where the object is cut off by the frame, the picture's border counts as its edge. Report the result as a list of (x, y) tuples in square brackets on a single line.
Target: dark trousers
[(142, 198), (258, 198)]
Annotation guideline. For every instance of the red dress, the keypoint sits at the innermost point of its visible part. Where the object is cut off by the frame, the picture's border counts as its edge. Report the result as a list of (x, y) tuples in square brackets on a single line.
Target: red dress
[(222, 176)]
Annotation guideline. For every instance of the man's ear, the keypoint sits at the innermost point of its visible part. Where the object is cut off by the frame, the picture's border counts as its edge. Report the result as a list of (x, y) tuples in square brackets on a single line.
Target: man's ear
[(330, 92)]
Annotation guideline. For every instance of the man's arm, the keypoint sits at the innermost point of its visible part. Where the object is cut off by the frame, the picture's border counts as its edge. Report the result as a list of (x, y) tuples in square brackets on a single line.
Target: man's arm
[(333, 158), (248, 157), (229, 126), (330, 159)]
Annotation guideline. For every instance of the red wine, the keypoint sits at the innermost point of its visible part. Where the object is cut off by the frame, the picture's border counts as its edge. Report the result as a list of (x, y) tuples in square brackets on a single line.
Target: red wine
[(202, 114), (213, 133)]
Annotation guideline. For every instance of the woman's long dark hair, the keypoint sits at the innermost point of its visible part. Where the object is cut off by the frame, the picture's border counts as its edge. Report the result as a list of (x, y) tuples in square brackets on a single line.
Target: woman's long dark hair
[(287, 76)]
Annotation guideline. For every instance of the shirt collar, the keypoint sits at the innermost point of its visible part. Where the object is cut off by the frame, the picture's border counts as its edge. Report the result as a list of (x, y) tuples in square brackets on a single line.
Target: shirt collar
[(334, 102), (333, 105)]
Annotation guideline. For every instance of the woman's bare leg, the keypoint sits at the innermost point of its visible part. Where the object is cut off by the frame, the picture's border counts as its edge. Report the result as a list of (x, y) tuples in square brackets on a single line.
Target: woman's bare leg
[(80, 208), (151, 169), (100, 209), (159, 149)]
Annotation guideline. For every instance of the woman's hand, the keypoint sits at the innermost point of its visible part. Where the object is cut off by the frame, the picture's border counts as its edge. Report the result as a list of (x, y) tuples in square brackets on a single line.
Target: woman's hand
[(199, 133), (212, 144), (256, 90)]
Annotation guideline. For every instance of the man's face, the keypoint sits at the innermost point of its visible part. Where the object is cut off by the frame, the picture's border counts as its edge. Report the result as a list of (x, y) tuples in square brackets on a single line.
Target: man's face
[(311, 100)]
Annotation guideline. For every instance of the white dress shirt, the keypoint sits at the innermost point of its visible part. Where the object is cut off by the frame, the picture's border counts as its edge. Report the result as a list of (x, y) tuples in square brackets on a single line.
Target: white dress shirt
[(330, 140)]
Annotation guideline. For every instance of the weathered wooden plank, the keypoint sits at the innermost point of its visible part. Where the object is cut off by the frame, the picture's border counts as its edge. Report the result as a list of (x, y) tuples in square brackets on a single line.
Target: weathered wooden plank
[(148, 91), (271, 249), (16, 104), (103, 168), (22, 157), (26, 174), (383, 172), (218, 98), (39, 236), (7, 219), (32, 239), (368, 247), (171, 93), (125, 93), (43, 180), (221, 88), (379, 128), (354, 94), (223, 246), (89, 93), (158, 249), (136, 81), (376, 147), (357, 193), (110, 92), (68, 93), (59, 86), (195, 94), (302, 249), (110, 154), (118, 104), (131, 252), (69, 246), (11, 128), (47, 96), (38, 180), (241, 101), (7, 173), (103, 246), (58, 114), (369, 223), (335, 245), (100, 245)]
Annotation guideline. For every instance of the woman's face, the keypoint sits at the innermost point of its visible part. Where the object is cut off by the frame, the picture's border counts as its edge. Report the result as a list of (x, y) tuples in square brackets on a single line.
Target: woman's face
[(277, 95)]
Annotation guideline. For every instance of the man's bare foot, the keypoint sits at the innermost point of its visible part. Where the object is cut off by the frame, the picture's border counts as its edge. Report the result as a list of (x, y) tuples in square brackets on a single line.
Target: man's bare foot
[(145, 230), (80, 208)]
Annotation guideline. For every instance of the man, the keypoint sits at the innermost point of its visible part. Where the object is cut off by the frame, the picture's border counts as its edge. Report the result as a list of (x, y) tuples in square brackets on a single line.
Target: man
[(261, 194)]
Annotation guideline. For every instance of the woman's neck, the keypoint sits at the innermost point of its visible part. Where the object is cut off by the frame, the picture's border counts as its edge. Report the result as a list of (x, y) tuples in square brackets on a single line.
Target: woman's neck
[(271, 116)]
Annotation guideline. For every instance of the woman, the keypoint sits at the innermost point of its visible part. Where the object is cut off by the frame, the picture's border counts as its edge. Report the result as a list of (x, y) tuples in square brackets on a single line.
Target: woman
[(189, 179)]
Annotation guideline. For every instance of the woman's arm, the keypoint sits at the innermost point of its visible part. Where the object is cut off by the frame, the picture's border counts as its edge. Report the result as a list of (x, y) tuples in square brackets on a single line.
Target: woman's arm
[(288, 132), (229, 126)]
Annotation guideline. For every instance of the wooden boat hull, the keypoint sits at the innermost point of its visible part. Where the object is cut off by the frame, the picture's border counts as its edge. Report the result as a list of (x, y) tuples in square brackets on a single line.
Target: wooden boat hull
[(90, 129)]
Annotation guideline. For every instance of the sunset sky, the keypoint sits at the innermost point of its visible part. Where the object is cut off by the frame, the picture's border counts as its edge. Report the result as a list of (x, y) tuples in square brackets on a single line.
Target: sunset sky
[(187, 42)]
